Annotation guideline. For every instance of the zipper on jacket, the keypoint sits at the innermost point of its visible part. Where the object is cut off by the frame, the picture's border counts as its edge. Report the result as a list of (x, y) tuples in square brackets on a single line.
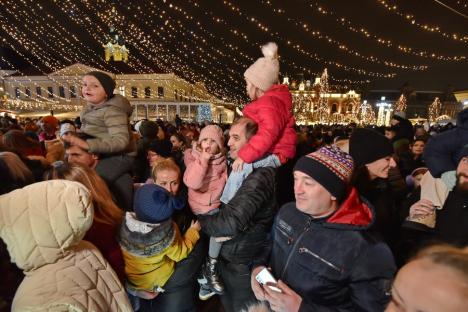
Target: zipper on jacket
[(306, 229), (305, 250)]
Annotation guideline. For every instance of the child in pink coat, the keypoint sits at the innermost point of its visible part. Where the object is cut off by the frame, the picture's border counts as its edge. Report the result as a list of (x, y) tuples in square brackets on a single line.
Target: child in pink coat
[(205, 177)]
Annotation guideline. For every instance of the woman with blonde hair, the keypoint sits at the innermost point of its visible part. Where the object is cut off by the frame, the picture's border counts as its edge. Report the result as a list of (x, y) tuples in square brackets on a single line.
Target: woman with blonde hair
[(107, 215)]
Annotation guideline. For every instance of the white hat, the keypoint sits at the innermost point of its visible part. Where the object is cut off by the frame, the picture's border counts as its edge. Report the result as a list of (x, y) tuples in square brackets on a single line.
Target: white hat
[(66, 127)]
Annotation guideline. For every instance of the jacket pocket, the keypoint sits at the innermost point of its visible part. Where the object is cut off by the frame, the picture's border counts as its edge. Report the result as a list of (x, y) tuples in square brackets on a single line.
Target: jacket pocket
[(304, 250)]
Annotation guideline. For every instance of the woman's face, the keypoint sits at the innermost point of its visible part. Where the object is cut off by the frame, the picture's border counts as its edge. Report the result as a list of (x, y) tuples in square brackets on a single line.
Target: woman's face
[(380, 167), (417, 148), (427, 287), (168, 179), (176, 144)]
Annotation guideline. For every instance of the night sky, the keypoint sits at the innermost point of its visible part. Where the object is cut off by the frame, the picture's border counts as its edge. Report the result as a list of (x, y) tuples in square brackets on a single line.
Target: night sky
[(215, 41)]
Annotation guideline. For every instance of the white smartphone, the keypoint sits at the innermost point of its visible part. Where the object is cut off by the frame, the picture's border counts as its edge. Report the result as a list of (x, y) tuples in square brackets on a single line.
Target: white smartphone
[(264, 276)]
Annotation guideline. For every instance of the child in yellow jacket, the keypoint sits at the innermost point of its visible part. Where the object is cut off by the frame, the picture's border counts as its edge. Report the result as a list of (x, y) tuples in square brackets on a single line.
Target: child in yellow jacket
[(152, 243)]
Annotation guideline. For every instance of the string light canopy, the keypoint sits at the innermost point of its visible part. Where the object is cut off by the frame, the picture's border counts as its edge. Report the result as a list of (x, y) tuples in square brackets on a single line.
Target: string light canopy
[(215, 42)]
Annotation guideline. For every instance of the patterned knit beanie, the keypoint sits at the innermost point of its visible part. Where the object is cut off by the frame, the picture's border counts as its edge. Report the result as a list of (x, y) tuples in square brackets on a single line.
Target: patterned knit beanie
[(264, 72), (106, 81), (329, 166)]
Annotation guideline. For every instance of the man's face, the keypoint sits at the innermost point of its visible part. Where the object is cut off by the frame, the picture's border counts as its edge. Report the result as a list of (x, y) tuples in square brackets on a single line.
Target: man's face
[(237, 139), (76, 155), (311, 197), (462, 174)]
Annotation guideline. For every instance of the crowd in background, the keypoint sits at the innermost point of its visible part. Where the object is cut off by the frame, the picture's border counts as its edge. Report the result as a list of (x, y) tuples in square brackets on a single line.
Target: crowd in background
[(101, 214)]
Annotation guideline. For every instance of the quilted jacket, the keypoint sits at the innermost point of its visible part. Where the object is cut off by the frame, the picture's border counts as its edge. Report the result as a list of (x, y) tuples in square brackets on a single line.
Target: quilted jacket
[(109, 123), (43, 225), (276, 135)]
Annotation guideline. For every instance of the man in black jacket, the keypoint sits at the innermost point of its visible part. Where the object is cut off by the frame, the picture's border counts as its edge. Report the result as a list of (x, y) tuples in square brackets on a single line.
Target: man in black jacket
[(322, 254), (247, 218)]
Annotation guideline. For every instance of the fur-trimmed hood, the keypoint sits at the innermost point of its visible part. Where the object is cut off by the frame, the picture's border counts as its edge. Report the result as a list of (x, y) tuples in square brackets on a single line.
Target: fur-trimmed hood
[(145, 239)]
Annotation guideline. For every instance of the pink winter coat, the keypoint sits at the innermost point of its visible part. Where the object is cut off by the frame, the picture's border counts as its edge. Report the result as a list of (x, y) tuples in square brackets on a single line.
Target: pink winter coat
[(205, 181), (276, 135)]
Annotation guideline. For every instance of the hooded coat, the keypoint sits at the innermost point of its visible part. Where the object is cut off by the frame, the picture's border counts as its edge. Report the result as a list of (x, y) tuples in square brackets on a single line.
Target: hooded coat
[(109, 124), (333, 263), (205, 181), (276, 135), (43, 225)]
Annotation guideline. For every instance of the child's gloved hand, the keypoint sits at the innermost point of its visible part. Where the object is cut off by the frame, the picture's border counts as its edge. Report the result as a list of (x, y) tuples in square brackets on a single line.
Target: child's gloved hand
[(238, 164)]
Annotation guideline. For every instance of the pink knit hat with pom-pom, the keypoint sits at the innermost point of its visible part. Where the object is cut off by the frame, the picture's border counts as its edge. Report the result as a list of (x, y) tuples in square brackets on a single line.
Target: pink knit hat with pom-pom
[(264, 72)]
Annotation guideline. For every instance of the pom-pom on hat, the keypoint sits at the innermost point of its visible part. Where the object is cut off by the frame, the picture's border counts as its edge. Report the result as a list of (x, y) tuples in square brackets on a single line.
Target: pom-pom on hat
[(106, 81), (264, 72), (329, 166), (367, 146), (213, 132)]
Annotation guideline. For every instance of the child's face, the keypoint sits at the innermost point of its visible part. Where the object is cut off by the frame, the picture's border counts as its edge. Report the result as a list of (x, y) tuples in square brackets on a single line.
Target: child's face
[(251, 90), (93, 91), (417, 180), (210, 146), (417, 148)]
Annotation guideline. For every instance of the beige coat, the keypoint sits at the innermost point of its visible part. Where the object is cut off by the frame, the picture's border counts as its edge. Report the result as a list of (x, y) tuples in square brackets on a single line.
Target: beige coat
[(43, 225)]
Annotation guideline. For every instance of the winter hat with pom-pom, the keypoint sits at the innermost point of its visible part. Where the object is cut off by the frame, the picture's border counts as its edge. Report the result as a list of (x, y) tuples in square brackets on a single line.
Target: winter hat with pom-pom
[(264, 72)]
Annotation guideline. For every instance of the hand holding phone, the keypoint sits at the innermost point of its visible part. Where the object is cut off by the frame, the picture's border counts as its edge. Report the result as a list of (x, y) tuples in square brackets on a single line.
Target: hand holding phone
[(264, 277)]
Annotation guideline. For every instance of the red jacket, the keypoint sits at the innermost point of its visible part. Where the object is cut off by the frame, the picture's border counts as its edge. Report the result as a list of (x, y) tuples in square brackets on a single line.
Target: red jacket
[(276, 135), (104, 237)]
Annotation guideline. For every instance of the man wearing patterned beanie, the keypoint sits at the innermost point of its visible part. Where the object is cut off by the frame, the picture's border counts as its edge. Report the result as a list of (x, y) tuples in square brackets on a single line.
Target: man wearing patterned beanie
[(323, 256)]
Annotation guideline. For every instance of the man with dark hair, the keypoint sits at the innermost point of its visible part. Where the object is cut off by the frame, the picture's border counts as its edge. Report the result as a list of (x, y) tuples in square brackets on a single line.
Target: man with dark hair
[(247, 219), (118, 179), (323, 254)]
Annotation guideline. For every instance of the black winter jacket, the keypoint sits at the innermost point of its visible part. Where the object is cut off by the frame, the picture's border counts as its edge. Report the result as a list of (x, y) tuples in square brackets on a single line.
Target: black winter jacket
[(247, 218), (333, 263), (442, 152)]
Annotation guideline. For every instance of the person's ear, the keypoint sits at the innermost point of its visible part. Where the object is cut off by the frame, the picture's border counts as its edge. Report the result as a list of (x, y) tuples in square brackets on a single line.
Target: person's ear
[(333, 198)]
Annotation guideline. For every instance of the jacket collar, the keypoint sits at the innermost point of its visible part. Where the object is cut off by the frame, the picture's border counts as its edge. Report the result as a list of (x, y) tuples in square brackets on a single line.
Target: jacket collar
[(354, 213)]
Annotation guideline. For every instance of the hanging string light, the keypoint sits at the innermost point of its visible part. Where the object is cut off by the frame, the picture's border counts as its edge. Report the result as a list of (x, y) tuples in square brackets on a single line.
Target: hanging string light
[(305, 27), (410, 18)]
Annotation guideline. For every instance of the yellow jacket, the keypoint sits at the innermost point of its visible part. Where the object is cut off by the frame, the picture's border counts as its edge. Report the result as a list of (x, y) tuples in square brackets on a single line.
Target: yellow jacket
[(150, 262)]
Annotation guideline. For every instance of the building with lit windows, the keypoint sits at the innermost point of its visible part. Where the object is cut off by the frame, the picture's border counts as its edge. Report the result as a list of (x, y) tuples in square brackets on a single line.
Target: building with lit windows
[(152, 95)]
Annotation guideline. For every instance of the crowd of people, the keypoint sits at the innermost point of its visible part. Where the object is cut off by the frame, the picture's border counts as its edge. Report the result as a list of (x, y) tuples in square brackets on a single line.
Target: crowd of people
[(103, 214)]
